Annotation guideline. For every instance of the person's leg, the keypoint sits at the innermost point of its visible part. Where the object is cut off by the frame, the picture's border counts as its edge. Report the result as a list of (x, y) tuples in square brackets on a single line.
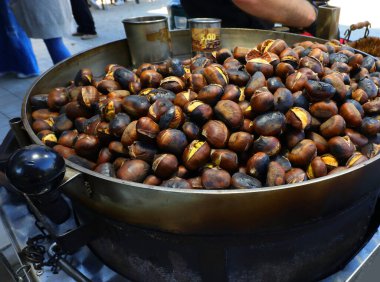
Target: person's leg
[(83, 17), (16, 52), (57, 49)]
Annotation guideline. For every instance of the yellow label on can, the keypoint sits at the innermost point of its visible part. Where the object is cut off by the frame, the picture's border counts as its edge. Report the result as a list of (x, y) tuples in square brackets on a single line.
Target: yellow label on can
[(205, 39)]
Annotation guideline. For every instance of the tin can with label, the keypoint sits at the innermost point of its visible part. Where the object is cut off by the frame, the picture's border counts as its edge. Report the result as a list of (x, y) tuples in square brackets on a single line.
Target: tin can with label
[(148, 39), (205, 35)]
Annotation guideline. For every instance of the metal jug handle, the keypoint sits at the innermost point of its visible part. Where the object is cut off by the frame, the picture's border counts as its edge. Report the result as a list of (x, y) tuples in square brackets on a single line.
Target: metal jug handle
[(359, 25)]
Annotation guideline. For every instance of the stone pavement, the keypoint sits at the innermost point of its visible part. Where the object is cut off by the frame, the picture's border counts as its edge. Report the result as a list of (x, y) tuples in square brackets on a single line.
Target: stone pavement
[(110, 28)]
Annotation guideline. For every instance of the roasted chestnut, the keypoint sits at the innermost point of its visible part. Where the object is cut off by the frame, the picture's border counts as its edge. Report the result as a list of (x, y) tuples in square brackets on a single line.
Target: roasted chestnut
[(173, 83), (262, 100), (57, 98), (105, 169), (216, 74), (42, 124), (317, 168), (267, 144), (298, 118), (216, 179), (302, 154), (196, 154), (198, 111), (333, 126), (142, 151), (118, 124), (182, 98), (44, 114), (136, 106), (210, 94), (176, 182), (269, 124), (323, 109), (225, 159), (256, 81), (68, 138), (191, 130), (275, 174), (240, 141), (87, 146), (295, 175), (243, 181), (165, 165), (133, 170), (150, 78), (330, 161), (341, 147), (216, 133), (88, 96), (129, 134), (283, 99), (147, 129), (172, 141), (152, 180)]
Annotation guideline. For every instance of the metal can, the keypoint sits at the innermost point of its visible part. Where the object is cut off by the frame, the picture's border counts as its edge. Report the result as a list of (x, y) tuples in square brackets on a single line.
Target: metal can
[(148, 39), (205, 35)]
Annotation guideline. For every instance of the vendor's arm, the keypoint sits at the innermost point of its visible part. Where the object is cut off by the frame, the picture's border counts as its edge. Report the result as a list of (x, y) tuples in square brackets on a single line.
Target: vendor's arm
[(295, 13)]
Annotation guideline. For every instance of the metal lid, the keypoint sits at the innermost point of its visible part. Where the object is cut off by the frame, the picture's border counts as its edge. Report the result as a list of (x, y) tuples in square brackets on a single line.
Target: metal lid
[(205, 20), (145, 20)]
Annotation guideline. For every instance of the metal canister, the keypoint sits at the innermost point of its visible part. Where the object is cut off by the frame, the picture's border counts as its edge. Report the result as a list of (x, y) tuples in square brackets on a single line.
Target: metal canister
[(328, 22), (205, 35), (148, 39)]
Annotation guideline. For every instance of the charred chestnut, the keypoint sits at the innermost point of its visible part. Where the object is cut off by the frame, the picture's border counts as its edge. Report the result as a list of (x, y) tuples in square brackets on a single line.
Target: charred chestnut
[(136, 106), (198, 111), (243, 181), (267, 144), (172, 141), (176, 183), (216, 179), (211, 94), (269, 124)]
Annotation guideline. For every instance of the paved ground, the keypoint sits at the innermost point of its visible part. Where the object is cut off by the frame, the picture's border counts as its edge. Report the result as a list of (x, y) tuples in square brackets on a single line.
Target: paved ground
[(110, 28)]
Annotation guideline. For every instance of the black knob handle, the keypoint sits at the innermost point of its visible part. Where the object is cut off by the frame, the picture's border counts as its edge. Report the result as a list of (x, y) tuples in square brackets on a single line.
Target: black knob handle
[(37, 171)]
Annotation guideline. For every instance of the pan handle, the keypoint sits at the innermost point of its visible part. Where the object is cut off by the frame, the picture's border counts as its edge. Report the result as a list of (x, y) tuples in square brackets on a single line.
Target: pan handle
[(360, 25)]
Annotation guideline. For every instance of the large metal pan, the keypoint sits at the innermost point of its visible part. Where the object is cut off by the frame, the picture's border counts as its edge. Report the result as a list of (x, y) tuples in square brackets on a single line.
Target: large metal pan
[(196, 211), (298, 232)]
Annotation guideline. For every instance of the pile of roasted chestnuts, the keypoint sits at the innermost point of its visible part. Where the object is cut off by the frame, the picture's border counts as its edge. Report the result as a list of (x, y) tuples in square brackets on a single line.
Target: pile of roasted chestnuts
[(234, 119)]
